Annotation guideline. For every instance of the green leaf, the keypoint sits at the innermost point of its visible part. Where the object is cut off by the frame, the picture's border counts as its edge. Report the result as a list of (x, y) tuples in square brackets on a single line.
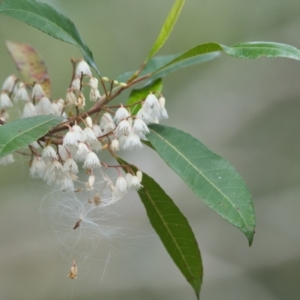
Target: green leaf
[(155, 67), (252, 50), (161, 66), (167, 27), (152, 65), (211, 177), (139, 94), (20, 133), (183, 63), (249, 50), (45, 18), (173, 230)]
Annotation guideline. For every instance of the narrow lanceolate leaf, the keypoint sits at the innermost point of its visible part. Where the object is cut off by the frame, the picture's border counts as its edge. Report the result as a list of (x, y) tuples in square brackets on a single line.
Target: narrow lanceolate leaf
[(183, 63), (259, 49), (45, 18), (161, 66), (152, 65), (30, 64), (173, 230), (155, 68), (20, 133), (167, 27), (248, 50), (211, 177), (140, 94)]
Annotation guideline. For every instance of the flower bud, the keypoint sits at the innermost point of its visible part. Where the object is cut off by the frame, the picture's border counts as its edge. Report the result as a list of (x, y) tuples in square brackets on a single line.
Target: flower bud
[(90, 183), (89, 122), (139, 175), (115, 145), (162, 102)]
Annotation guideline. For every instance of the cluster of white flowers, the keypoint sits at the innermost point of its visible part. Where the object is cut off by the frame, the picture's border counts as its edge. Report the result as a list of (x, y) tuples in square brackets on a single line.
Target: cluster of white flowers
[(57, 160), (35, 104)]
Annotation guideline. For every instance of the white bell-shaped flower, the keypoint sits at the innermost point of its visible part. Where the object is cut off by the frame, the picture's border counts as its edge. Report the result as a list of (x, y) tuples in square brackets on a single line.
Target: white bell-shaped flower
[(121, 184), (21, 93), (132, 141), (37, 92), (29, 110), (49, 154), (93, 83), (44, 107), (92, 161), (121, 113), (83, 68), (5, 101), (9, 83), (82, 152), (123, 128), (37, 168)]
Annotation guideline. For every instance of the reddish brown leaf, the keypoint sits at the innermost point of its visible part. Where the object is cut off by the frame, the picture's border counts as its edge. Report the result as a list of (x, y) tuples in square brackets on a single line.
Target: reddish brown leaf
[(30, 64)]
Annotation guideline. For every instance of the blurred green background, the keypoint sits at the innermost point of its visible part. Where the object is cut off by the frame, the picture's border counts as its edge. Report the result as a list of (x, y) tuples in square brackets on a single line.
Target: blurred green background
[(246, 111)]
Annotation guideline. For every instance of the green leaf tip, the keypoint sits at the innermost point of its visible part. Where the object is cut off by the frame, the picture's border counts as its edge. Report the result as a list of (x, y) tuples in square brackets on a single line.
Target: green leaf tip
[(167, 27), (209, 176), (45, 18), (161, 66), (247, 50), (173, 229)]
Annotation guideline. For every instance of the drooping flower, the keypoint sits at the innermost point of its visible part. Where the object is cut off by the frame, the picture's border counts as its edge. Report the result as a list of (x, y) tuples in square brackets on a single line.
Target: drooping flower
[(88, 136), (9, 83), (140, 127), (82, 152), (37, 92), (21, 93), (38, 167), (49, 154), (29, 110), (76, 83), (93, 83), (91, 161), (8, 159), (70, 166), (94, 95), (123, 128), (121, 113), (135, 183), (5, 101), (121, 184), (132, 141), (44, 107), (82, 68)]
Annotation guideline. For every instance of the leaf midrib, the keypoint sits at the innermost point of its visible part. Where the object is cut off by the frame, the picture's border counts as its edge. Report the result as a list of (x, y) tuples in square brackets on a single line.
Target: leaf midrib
[(199, 171), (74, 41), (170, 233), (22, 133)]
